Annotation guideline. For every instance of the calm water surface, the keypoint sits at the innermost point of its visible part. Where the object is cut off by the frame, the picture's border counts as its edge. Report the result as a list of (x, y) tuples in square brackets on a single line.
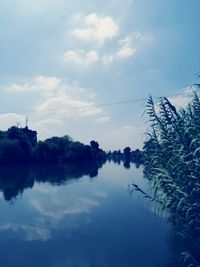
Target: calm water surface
[(79, 220)]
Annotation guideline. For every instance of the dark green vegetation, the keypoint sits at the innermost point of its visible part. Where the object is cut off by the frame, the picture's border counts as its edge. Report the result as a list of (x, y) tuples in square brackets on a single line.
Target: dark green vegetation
[(19, 145), (128, 156), (172, 164)]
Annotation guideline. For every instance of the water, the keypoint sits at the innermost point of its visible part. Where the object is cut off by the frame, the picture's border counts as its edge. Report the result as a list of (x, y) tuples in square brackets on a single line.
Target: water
[(64, 216)]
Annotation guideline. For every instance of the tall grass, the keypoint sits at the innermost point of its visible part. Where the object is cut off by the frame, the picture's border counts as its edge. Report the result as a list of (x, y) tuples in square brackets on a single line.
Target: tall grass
[(172, 163)]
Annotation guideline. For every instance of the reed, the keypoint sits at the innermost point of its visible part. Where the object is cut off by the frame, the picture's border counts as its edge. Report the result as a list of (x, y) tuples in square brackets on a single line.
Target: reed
[(172, 163)]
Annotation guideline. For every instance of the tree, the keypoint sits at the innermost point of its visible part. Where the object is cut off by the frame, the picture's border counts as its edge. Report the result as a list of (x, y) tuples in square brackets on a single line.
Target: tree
[(46, 152), (127, 152), (10, 152), (94, 145)]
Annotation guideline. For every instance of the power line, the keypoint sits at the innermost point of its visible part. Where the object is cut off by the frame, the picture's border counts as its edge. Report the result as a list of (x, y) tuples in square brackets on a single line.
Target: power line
[(93, 106)]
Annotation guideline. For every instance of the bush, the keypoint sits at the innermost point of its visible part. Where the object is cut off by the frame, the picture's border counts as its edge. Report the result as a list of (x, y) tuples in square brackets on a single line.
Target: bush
[(172, 163)]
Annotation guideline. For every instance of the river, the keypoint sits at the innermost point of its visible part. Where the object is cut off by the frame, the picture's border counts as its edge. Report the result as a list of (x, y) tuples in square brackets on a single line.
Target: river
[(70, 218)]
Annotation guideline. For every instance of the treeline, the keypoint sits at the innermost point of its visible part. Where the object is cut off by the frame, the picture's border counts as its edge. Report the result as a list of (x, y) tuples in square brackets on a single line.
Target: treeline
[(20, 145), (126, 156), (172, 163)]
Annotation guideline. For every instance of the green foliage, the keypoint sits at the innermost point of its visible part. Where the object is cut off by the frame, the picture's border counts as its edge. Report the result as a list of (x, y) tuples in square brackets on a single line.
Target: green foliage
[(94, 145), (19, 145), (127, 151), (16, 145), (45, 152), (10, 151), (172, 163)]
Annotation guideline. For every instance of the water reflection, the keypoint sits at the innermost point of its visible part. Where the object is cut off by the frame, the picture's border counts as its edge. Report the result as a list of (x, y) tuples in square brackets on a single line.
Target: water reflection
[(127, 163), (65, 220), (179, 243), (15, 179)]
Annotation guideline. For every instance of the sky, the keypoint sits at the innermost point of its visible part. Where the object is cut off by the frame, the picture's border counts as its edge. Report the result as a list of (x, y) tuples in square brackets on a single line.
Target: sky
[(85, 68)]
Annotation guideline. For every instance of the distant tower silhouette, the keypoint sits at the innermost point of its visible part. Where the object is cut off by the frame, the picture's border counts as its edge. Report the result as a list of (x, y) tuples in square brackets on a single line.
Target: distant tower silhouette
[(26, 122)]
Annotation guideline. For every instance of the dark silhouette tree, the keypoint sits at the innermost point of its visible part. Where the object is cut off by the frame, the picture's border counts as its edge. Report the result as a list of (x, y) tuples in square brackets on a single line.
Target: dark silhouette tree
[(127, 152), (94, 145)]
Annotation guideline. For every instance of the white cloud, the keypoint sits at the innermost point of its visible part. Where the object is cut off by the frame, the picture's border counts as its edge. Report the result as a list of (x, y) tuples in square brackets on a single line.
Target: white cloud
[(180, 101), (82, 57), (61, 104), (96, 28), (64, 106), (102, 119), (123, 136), (183, 97), (50, 87), (126, 48), (42, 84), (191, 89), (102, 29), (48, 126), (9, 119)]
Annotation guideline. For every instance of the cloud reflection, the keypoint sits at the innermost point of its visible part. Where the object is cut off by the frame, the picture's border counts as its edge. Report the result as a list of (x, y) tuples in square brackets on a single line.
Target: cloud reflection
[(100, 194), (58, 207), (29, 232)]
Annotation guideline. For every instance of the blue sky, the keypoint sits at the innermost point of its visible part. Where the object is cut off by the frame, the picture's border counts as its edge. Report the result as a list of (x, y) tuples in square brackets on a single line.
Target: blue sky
[(61, 60)]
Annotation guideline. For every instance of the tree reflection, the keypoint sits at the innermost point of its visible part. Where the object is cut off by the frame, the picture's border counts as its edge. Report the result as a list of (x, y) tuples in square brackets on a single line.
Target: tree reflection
[(127, 157), (15, 179)]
